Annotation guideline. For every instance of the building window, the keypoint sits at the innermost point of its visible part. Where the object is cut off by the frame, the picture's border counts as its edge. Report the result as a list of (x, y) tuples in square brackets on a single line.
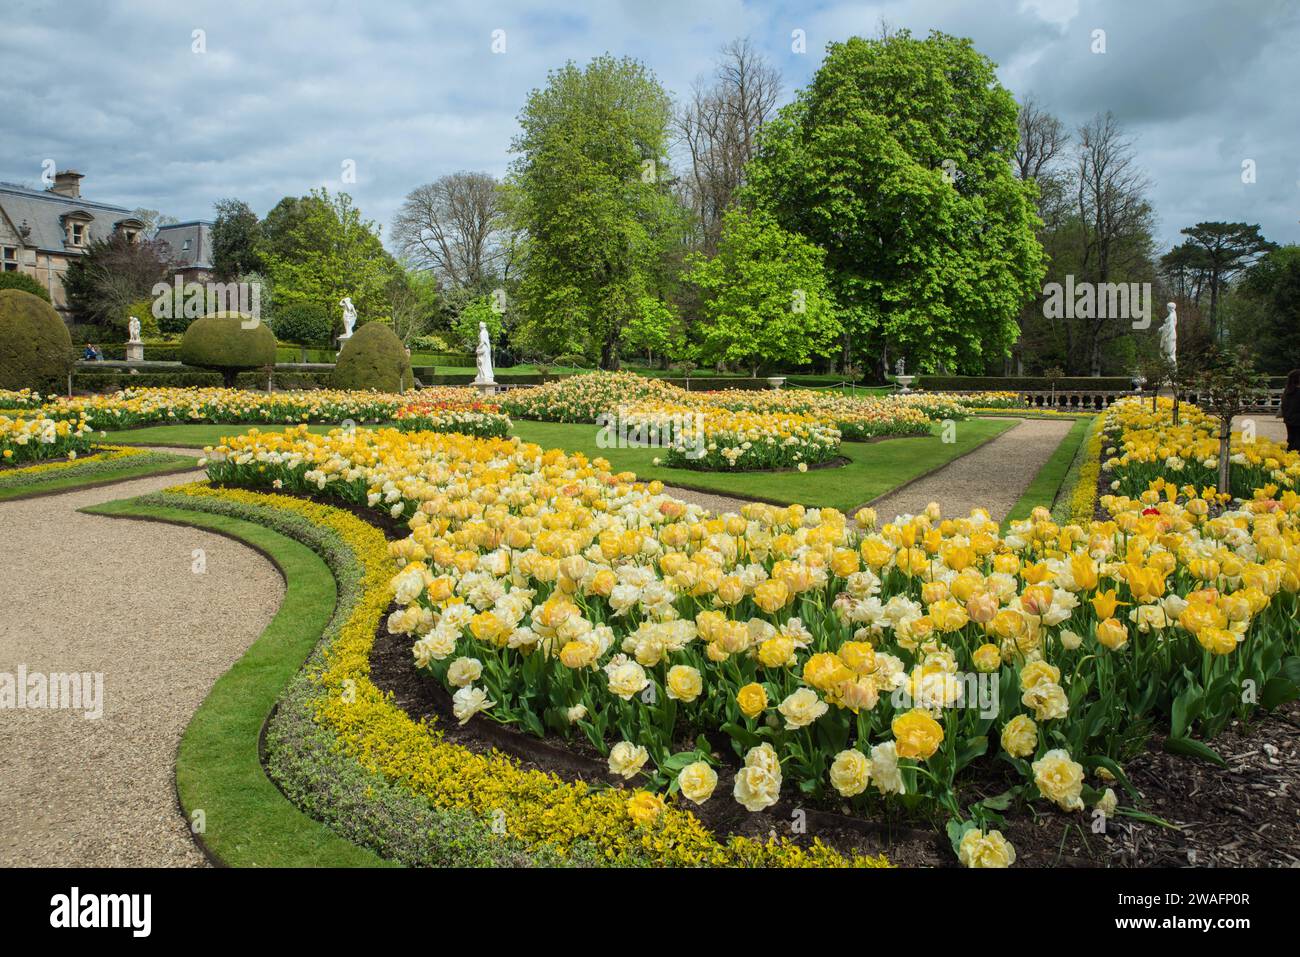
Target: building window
[(9, 258), (185, 246), (78, 234)]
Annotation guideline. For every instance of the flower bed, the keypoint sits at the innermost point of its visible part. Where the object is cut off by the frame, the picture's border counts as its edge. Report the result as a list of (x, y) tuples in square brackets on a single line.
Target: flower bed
[(841, 661), (481, 419), (19, 399), (499, 801), (719, 440), (30, 438), (856, 417), (140, 407), (582, 398), (1143, 446)]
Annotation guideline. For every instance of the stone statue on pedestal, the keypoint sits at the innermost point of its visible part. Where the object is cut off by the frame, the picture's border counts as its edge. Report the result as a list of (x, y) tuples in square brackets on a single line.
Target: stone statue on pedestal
[(483, 357), (1169, 335)]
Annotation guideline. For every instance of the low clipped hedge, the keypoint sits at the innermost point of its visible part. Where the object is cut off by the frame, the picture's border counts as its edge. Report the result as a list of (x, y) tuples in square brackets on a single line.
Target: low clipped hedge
[(35, 346), (112, 380), (956, 383)]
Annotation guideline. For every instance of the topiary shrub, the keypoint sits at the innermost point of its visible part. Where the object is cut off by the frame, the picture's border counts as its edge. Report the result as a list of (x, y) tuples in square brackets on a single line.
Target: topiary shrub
[(24, 282), (229, 343), (374, 358), (35, 346), (304, 324)]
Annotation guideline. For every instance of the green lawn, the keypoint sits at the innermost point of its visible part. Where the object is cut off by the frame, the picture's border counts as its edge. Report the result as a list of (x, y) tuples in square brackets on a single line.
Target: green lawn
[(874, 467)]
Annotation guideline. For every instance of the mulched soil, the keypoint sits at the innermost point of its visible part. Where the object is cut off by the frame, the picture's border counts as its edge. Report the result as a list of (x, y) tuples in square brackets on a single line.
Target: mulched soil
[(1245, 815)]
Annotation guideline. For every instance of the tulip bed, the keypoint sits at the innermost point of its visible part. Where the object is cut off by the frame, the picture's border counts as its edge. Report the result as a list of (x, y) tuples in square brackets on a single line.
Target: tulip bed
[(480, 419), (141, 407), (720, 440), (32, 437), (586, 398), (19, 399), (1145, 447), (420, 797), (868, 663)]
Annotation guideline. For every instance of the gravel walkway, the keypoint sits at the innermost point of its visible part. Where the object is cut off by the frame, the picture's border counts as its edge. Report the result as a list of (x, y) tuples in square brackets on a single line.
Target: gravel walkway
[(91, 594), (709, 500), (993, 477)]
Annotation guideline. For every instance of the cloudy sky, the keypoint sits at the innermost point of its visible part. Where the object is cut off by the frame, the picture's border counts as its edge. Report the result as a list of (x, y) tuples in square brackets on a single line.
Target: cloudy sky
[(287, 91)]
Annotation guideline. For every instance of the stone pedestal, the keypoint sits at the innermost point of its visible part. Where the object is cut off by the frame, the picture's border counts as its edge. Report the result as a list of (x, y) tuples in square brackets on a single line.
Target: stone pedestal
[(485, 388), (135, 352)]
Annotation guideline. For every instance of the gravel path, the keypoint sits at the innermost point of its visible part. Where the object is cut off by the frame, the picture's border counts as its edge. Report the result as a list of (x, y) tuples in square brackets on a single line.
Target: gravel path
[(709, 500), (91, 594), (993, 477)]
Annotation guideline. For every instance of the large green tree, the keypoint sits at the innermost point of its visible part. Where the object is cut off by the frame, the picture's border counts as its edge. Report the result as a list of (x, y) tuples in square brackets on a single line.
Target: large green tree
[(1216, 253), (590, 190), (321, 249), (896, 160), (235, 238), (1269, 298), (766, 299)]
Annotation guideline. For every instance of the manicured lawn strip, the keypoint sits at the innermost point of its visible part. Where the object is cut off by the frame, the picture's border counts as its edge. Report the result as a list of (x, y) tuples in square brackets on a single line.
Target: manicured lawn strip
[(195, 435), (249, 823), (96, 473), (1047, 484), (874, 467)]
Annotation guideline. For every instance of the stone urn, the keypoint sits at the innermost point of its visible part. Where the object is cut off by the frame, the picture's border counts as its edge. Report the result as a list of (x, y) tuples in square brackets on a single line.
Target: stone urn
[(776, 381), (904, 381)]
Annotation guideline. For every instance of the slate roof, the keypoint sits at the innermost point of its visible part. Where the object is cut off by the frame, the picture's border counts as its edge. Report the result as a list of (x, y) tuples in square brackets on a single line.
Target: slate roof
[(44, 210), (199, 233)]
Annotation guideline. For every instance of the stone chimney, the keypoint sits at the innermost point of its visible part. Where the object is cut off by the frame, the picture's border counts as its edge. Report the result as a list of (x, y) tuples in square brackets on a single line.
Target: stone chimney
[(67, 183)]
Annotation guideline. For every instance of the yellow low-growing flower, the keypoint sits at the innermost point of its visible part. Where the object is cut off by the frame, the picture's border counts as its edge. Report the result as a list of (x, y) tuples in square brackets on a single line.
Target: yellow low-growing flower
[(1217, 641), (917, 734)]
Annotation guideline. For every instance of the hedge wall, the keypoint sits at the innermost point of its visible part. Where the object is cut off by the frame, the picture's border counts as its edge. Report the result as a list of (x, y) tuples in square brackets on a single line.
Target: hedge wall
[(112, 380), (935, 383)]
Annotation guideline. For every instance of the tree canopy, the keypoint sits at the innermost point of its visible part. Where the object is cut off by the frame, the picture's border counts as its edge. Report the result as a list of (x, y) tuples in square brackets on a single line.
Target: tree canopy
[(896, 159)]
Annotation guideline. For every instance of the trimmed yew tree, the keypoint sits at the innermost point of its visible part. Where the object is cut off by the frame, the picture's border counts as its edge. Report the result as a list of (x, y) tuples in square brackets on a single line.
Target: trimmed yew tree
[(896, 160)]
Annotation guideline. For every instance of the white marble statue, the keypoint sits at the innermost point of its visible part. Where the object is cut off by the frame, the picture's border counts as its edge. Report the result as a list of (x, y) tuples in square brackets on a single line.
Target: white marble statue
[(349, 317), (900, 367), (133, 330), (1169, 335), (483, 355)]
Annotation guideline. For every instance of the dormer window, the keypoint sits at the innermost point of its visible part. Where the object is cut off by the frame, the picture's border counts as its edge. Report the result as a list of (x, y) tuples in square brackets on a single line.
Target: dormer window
[(185, 246), (76, 227)]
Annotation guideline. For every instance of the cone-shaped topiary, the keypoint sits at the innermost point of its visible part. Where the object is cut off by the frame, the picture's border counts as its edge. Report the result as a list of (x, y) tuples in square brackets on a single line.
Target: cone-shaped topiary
[(35, 346), (228, 342), (374, 358)]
